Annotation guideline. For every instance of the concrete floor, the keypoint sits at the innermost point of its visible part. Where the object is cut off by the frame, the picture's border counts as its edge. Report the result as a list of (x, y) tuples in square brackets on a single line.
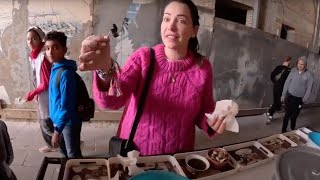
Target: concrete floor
[(26, 139)]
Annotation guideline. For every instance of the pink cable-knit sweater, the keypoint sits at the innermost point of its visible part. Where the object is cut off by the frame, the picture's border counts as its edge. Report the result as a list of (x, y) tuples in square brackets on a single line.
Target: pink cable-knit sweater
[(172, 109)]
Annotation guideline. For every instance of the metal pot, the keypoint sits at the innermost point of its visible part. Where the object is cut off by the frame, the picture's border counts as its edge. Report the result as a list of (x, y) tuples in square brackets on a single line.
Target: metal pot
[(300, 163)]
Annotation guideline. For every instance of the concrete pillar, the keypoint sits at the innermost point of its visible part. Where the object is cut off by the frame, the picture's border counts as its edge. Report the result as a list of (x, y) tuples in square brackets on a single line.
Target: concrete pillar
[(249, 20), (256, 12)]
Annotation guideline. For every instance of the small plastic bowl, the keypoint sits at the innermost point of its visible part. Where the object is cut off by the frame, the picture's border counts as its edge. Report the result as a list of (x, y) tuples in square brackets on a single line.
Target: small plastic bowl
[(214, 163), (196, 163)]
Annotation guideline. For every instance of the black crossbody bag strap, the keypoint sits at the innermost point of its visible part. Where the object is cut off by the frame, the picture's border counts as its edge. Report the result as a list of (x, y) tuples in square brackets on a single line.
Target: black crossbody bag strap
[(142, 100)]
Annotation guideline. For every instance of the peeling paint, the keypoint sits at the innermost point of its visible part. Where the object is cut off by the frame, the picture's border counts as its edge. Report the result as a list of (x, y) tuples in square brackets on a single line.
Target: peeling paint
[(71, 17), (5, 20), (142, 1), (16, 4), (66, 16), (124, 47), (4, 95)]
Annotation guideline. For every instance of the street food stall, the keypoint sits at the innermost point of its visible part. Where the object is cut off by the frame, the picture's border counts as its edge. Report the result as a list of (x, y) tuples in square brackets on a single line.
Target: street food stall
[(244, 159)]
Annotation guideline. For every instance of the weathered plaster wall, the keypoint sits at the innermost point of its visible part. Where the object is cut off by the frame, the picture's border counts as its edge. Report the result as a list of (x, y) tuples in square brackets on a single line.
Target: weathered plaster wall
[(268, 15), (295, 13), (243, 59), (143, 20), (72, 17), (14, 69)]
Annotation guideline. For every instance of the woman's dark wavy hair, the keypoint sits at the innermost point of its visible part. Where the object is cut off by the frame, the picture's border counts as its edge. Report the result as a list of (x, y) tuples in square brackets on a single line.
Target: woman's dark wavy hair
[(193, 44)]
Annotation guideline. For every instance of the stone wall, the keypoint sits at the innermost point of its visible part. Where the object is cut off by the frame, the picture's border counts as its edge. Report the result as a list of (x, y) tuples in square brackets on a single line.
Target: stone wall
[(242, 57)]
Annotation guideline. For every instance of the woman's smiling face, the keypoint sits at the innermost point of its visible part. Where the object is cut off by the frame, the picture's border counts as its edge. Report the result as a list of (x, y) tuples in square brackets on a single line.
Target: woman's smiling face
[(177, 26)]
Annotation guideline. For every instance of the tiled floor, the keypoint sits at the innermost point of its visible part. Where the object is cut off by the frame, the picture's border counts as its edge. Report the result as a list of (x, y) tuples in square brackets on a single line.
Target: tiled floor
[(26, 140)]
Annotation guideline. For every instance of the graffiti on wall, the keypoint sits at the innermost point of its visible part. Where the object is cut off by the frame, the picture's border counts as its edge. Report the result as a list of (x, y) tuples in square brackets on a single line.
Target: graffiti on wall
[(71, 17), (65, 16)]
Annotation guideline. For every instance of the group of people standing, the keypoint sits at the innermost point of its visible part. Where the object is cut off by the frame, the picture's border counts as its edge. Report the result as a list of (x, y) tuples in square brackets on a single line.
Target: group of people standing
[(179, 94), (291, 88), (180, 91), (59, 122), (181, 79)]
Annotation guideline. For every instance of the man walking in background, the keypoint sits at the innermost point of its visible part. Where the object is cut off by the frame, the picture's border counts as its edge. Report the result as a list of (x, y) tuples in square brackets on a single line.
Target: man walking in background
[(296, 91), (278, 78)]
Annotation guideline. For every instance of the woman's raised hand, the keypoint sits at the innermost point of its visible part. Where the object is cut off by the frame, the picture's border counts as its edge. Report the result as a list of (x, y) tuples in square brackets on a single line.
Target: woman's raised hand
[(95, 54)]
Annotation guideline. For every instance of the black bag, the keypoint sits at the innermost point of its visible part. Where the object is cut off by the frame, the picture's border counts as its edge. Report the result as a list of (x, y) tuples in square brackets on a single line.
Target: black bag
[(84, 104), (119, 146), (123, 146), (278, 76)]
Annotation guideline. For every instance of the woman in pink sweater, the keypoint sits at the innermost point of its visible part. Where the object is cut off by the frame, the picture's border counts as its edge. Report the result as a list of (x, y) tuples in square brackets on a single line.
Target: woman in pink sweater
[(180, 91)]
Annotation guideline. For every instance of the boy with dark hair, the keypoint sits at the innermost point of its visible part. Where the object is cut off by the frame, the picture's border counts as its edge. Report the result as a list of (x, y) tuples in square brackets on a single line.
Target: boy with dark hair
[(62, 96)]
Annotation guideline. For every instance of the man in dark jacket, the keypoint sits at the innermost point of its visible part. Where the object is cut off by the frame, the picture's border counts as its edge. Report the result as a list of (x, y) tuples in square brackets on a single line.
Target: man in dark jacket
[(278, 77)]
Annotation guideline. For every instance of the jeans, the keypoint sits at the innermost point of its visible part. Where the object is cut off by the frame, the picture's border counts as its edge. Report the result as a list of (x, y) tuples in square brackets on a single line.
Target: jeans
[(47, 129), (5, 175), (276, 106), (293, 107), (70, 141)]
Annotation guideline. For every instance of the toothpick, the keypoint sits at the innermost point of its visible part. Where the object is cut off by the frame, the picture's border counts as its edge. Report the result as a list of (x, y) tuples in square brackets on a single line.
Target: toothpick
[(109, 33)]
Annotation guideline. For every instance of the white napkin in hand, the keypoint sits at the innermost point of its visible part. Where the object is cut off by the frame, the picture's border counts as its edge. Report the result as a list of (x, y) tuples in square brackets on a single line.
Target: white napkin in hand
[(228, 109)]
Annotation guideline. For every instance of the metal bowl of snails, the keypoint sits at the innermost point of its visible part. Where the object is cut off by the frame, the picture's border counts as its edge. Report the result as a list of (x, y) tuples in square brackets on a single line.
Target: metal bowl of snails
[(218, 158)]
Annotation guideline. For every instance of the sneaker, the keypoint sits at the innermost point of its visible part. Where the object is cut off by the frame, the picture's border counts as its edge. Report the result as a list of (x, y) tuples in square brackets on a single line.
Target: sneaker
[(269, 118), (284, 131), (287, 130), (268, 122), (46, 149)]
